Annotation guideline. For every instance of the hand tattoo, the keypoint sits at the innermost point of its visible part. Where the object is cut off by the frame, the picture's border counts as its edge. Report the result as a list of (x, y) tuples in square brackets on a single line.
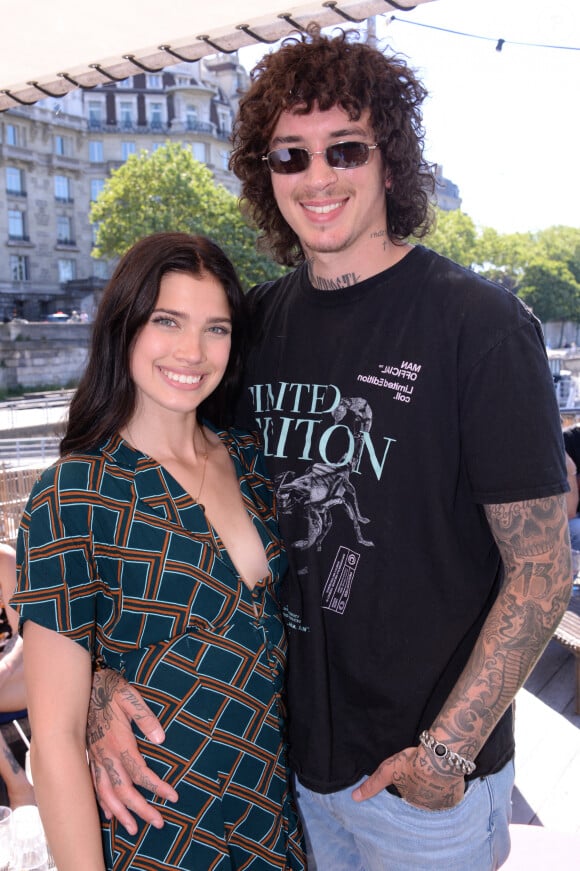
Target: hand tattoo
[(99, 718)]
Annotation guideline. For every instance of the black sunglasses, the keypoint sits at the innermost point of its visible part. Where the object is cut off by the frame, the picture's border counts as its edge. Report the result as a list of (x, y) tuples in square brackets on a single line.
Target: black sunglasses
[(341, 155)]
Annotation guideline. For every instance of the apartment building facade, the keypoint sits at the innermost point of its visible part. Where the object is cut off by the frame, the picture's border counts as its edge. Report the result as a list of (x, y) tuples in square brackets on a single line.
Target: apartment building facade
[(56, 155)]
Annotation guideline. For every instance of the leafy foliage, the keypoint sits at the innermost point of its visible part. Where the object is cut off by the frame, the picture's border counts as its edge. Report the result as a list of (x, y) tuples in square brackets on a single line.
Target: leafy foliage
[(170, 190), (454, 236), (549, 288), (542, 268)]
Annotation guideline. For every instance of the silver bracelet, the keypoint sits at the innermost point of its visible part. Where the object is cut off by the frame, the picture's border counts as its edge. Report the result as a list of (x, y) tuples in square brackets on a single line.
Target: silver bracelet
[(444, 754)]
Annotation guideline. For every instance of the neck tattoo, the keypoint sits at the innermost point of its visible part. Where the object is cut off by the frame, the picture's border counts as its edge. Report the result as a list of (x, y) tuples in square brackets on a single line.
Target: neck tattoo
[(345, 280)]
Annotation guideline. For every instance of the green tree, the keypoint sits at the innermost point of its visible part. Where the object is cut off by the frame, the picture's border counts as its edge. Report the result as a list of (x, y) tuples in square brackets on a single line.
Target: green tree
[(170, 190), (545, 265), (551, 278), (503, 257), (562, 243), (453, 235), (550, 289)]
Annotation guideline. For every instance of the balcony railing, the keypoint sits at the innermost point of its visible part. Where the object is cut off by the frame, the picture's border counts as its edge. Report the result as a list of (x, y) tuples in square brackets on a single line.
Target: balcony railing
[(124, 127), (199, 126), (161, 127)]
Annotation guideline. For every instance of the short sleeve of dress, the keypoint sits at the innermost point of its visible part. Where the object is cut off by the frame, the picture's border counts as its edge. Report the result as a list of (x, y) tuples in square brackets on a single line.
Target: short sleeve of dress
[(57, 581)]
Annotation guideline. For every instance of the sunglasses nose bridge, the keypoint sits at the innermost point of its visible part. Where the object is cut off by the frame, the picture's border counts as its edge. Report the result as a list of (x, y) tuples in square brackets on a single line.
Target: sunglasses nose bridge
[(323, 155)]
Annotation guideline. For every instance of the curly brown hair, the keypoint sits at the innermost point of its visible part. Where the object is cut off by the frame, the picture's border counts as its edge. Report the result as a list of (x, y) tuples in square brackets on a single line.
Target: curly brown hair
[(313, 69)]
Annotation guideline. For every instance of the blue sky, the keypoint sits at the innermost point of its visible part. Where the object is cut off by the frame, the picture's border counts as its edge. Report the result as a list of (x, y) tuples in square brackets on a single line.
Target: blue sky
[(504, 125)]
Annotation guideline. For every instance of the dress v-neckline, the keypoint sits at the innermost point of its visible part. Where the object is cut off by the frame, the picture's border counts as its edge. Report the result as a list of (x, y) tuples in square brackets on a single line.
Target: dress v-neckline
[(178, 494)]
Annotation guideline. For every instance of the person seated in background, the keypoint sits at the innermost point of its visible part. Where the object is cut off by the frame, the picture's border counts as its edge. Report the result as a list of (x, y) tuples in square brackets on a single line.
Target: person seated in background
[(12, 689), (572, 446)]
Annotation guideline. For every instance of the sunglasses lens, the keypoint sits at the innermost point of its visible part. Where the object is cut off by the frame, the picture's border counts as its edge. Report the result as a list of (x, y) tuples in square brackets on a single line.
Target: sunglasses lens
[(347, 155), (288, 160)]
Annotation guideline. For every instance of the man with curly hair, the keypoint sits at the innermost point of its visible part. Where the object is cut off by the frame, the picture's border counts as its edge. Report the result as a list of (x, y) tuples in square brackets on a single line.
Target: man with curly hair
[(409, 420)]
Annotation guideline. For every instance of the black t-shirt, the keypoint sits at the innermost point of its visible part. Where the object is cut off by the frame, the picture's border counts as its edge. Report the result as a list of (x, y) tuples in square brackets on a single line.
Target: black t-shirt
[(390, 412)]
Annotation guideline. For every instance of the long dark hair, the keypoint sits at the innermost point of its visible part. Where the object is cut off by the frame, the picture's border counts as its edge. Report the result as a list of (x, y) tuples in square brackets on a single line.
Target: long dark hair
[(316, 70), (105, 398)]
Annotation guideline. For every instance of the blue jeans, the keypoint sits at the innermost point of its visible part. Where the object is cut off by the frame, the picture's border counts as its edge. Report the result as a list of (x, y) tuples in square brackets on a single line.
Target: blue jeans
[(385, 833)]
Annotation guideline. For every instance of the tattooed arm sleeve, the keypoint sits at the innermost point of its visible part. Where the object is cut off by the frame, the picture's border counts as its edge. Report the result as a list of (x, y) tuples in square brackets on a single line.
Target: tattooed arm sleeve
[(532, 537)]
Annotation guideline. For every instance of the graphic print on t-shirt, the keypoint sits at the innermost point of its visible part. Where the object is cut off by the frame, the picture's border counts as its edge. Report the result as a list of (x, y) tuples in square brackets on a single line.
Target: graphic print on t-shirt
[(326, 487), (398, 380), (317, 492), (339, 582), (323, 488), (323, 456)]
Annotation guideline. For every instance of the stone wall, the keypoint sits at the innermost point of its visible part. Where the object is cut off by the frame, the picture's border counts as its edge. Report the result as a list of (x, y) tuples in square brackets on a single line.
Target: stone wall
[(42, 354)]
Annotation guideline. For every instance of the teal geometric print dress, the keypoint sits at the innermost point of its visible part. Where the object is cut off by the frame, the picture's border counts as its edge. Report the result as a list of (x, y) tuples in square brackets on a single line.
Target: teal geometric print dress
[(117, 556)]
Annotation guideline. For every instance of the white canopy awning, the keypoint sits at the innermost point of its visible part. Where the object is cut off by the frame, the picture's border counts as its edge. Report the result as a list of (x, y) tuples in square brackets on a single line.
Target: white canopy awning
[(49, 48)]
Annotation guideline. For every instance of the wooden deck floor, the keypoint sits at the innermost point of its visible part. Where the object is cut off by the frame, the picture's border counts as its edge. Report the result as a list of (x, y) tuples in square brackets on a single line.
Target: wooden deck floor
[(547, 789)]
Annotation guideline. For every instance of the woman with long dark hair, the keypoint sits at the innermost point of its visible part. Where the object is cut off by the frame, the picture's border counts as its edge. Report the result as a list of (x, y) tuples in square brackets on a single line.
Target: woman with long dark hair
[(152, 543)]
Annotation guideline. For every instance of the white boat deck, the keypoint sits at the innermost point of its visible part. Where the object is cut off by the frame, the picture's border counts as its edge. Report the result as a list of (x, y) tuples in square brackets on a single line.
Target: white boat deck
[(547, 789)]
